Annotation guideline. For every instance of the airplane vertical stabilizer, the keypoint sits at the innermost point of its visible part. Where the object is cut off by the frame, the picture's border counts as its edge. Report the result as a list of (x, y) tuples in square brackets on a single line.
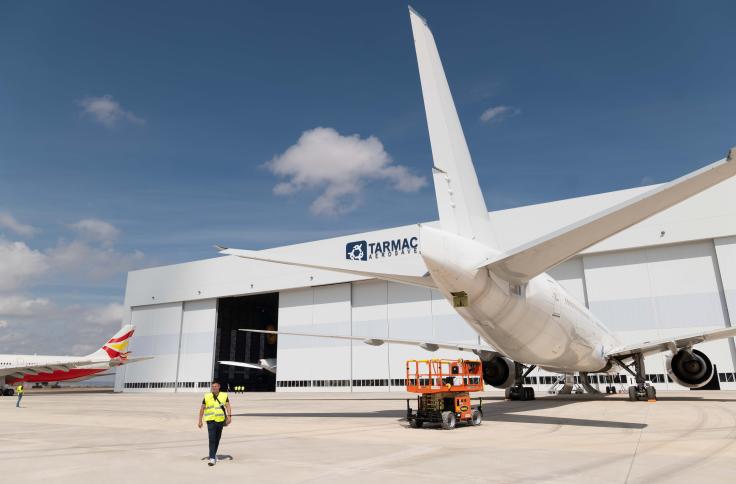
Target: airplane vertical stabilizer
[(117, 346), (462, 209)]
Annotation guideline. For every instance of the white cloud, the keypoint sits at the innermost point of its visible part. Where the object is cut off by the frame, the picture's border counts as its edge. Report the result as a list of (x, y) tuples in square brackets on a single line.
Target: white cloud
[(105, 315), (19, 264), (78, 260), (41, 326), (17, 305), (107, 111), (33, 323), (498, 113), (339, 166), (10, 223), (96, 229), (82, 261)]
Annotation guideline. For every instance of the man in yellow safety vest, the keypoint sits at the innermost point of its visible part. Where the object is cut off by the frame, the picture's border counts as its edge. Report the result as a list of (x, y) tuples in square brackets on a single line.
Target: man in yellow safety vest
[(19, 391), (217, 413)]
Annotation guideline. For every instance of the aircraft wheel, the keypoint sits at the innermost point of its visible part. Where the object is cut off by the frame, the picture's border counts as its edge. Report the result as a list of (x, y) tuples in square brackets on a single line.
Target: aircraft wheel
[(416, 423), (632, 394), (448, 420), (529, 393), (651, 393), (476, 418), (508, 394)]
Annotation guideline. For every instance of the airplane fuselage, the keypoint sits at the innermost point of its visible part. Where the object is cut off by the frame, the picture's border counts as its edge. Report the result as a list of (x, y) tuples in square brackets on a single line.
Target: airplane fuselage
[(83, 372), (537, 322)]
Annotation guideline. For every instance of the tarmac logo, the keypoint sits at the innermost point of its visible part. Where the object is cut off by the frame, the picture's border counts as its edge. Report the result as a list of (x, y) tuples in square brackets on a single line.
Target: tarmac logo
[(356, 250), (363, 250)]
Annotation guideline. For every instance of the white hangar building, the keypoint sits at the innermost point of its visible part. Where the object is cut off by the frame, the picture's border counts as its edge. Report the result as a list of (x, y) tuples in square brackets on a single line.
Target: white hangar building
[(675, 272)]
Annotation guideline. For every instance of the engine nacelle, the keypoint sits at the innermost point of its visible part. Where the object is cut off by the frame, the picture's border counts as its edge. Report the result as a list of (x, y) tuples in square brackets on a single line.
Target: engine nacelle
[(499, 372), (690, 369)]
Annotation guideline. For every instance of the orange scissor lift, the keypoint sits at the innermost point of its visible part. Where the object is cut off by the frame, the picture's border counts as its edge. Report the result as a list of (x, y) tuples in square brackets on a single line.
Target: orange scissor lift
[(444, 388)]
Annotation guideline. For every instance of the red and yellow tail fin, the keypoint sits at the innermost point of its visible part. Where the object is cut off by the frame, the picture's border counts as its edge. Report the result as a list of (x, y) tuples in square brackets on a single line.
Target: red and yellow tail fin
[(117, 346)]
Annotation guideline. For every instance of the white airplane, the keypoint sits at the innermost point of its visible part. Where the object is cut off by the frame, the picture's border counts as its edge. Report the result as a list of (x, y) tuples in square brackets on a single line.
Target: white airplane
[(266, 364), (42, 368), (526, 316)]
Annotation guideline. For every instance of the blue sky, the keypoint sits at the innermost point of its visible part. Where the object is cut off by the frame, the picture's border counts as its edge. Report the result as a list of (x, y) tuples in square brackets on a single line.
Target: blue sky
[(140, 133)]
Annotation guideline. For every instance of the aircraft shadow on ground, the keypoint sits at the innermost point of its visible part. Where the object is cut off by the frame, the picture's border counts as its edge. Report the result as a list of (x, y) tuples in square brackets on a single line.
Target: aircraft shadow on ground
[(501, 412)]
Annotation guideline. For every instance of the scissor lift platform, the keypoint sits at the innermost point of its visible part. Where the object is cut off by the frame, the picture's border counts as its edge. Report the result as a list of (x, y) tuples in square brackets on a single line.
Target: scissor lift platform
[(444, 388)]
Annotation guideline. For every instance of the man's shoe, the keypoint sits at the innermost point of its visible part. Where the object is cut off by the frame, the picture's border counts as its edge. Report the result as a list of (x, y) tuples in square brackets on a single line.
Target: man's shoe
[(211, 462)]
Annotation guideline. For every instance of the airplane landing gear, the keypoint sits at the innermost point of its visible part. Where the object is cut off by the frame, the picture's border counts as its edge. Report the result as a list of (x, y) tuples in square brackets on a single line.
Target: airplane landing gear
[(518, 391), (641, 391)]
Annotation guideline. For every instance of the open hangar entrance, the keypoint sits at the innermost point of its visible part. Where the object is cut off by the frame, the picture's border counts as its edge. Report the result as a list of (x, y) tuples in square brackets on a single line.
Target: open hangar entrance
[(258, 311)]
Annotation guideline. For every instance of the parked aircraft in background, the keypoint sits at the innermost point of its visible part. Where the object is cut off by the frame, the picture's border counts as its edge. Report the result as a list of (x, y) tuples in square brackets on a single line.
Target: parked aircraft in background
[(40, 368), (267, 364), (526, 317)]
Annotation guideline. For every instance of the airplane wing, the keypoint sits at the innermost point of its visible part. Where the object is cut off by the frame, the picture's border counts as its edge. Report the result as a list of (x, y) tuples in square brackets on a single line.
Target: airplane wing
[(89, 377), (20, 370), (242, 364), (671, 344), (408, 275), (483, 351), (531, 259)]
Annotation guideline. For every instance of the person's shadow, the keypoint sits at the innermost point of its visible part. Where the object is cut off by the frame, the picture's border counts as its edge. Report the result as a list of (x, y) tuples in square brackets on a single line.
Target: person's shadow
[(220, 457)]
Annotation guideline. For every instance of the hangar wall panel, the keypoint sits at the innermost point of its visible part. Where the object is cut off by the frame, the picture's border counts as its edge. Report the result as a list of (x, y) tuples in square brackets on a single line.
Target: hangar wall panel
[(571, 276), (726, 255), (370, 318), (332, 313), (295, 314), (726, 251), (410, 317), (157, 334), (660, 287), (197, 343), (323, 309)]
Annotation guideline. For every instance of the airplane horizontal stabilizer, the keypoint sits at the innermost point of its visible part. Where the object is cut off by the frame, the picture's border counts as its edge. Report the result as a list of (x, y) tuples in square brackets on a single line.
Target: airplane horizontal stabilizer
[(672, 343), (533, 258), (136, 359), (399, 272), (483, 351)]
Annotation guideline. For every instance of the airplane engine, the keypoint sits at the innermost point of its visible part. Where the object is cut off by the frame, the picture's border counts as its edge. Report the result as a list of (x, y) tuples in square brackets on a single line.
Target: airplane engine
[(690, 369), (499, 372)]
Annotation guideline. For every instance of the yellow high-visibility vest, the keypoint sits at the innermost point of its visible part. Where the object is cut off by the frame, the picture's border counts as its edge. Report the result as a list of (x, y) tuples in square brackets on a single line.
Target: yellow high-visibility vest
[(19, 389), (212, 409)]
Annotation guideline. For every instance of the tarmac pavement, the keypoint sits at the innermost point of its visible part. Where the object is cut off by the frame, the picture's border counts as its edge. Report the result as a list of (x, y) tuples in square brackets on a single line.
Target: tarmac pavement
[(80, 437)]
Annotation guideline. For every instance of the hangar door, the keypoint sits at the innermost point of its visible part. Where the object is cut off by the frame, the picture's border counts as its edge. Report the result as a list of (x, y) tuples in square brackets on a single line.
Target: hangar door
[(246, 312)]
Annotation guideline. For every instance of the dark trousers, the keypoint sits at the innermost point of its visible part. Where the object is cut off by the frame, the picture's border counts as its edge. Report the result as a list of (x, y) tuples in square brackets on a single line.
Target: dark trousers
[(214, 430)]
